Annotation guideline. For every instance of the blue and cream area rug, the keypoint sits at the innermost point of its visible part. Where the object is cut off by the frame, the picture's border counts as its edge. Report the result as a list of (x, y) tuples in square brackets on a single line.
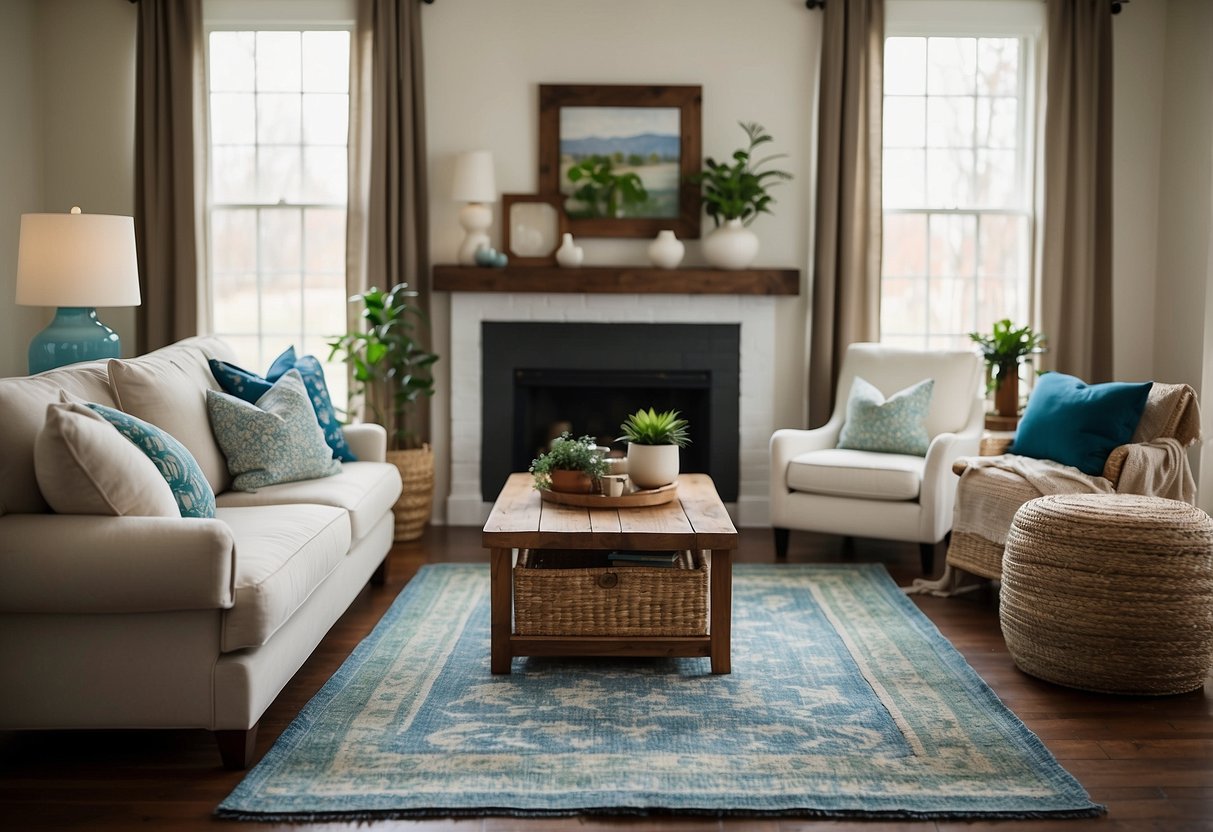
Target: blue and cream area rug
[(844, 701)]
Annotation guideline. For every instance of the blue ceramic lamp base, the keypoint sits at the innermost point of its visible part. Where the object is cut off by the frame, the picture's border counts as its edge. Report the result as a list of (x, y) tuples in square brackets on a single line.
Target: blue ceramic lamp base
[(74, 335)]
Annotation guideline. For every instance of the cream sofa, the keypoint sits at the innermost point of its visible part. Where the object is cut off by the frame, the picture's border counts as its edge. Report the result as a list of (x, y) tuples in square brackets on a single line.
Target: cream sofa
[(155, 622)]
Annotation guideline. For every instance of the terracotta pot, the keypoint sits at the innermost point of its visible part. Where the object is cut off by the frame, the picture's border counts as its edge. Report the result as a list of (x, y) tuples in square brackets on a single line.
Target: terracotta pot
[(572, 482), (652, 466), (1006, 395)]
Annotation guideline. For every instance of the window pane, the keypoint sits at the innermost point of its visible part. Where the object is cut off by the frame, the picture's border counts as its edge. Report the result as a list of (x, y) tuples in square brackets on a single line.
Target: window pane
[(232, 118), (998, 66), (996, 184), (997, 122), (235, 303), (1003, 241), (281, 240), (949, 121), (905, 64), (324, 307), (278, 120), (278, 174), (902, 181), (950, 306), (278, 62), (233, 174), (949, 178), (905, 245), (231, 61), (903, 306), (247, 348), (326, 119), (282, 305), (951, 66), (324, 172), (953, 245), (234, 240), (324, 243), (905, 121), (326, 61)]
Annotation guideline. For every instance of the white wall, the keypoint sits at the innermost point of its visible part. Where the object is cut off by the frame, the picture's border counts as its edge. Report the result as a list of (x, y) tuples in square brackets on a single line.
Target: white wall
[(485, 60)]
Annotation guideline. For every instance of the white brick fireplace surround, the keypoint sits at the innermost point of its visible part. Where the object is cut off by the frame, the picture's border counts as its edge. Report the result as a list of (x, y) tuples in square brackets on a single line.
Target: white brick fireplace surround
[(755, 314)]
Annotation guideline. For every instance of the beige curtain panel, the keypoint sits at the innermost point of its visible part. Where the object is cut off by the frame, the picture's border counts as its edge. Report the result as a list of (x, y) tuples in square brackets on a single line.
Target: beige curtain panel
[(1076, 275), (846, 261)]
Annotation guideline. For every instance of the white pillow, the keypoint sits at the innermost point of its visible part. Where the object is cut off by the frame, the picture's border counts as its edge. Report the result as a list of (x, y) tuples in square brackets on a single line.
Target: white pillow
[(84, 466)]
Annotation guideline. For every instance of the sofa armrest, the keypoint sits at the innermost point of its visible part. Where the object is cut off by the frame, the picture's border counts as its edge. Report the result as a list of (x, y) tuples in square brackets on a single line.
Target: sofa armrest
[(367, 440), (52, 563), (787, 443)]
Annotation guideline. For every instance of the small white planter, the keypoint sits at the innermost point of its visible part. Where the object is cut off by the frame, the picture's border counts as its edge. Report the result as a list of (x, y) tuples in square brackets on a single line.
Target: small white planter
[(731, 246), (666, 251), (652, 466)]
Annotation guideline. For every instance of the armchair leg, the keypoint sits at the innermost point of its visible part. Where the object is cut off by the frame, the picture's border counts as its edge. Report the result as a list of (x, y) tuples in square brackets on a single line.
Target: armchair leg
[(781, 544), (236, 747), (926, 553)]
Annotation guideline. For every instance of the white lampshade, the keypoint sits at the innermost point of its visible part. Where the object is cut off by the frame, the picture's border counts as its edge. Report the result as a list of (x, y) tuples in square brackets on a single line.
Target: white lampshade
[(474, 179), (77, 260)]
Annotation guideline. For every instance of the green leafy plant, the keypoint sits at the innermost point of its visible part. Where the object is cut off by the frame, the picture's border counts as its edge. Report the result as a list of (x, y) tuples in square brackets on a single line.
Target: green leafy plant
[(738, 189), (568, 454), (601, 191), (648, 427), (391, 367), (1005, 348)]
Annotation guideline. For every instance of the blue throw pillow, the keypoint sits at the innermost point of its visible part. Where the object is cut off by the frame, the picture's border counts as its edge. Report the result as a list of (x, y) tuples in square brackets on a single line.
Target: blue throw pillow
[(250, 387), (895, 426), (1079, 424), (176, 464)]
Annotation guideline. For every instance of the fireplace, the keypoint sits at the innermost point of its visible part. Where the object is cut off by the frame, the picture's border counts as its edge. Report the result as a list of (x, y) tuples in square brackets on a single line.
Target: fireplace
[(540, 377)]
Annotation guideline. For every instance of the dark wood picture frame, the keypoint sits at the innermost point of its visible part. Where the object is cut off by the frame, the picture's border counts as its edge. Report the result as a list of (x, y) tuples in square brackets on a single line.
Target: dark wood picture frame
[(689, 102), (508, 201)]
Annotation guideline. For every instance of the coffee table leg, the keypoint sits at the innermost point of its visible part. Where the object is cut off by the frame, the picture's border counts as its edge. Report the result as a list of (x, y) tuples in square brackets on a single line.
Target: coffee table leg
[(501, 609), (721, 578)]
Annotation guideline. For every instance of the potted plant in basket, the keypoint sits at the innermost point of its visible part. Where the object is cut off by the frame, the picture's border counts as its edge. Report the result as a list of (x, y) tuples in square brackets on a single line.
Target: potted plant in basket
[(391, 371), (570, 465), (1004, 349), (734, 194), (653, 442)]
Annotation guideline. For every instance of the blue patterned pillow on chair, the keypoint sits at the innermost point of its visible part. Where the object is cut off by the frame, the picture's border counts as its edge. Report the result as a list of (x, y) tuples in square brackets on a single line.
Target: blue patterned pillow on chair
[(275, 440), (894, 426), (176, 464)]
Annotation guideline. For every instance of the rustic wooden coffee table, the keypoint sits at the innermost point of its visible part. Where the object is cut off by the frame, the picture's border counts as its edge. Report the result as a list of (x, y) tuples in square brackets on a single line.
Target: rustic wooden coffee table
[(697, 520)]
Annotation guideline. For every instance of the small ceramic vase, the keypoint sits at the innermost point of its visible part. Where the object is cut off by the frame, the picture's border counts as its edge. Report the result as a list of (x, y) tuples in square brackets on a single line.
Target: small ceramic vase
[(569, 256), (731, 246), (666, 251)]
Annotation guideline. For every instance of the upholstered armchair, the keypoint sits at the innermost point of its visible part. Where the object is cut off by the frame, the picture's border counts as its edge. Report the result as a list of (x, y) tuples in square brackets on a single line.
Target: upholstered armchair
[(817, 486), (992, 488)]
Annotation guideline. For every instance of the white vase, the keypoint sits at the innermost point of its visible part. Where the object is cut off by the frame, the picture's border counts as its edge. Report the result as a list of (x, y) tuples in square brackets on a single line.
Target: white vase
[(666, 251), (652, 466), (569, 255), (731, 246)]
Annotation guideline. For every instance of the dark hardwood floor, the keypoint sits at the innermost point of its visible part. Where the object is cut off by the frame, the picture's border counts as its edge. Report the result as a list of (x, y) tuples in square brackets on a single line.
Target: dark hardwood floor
[(1149, 760)]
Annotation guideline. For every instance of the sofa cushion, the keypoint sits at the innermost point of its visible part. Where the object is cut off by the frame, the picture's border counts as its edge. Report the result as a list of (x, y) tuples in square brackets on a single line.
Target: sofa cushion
[(273, 441), (168, 388), (863, 474), (282, 554), (84, 466), (367, 490)]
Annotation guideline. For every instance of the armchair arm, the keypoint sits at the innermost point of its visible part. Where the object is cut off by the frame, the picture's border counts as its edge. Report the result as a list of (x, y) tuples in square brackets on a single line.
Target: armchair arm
[(938, 494), (1158, 469), (52, 563), (787, 443), (367, 440)]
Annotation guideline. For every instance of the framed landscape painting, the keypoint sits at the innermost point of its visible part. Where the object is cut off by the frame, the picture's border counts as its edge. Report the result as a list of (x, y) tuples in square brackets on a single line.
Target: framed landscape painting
[(619, 157)]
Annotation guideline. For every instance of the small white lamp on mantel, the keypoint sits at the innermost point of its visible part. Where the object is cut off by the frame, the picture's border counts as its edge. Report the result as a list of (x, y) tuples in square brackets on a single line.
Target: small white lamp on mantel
[(475, 185), (76, 262)]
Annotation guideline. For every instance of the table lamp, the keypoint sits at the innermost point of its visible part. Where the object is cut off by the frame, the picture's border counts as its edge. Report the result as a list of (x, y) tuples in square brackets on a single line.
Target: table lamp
[(76, 262), (475, 185)]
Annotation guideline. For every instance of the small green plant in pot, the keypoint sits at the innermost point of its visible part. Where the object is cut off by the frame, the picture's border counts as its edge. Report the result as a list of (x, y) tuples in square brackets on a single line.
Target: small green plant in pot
[(653, 442), (1004, 349), (570, 465)]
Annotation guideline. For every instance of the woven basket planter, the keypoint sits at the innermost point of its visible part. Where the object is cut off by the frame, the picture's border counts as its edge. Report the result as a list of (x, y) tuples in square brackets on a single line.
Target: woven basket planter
[(1110, 593), (412, 510), (612, 600)]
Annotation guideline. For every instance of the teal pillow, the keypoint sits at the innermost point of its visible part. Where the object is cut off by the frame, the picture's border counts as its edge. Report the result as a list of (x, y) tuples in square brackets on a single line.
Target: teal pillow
[(275, 440), (249, 386), (176, 464), (895, 426), (1079, 424)]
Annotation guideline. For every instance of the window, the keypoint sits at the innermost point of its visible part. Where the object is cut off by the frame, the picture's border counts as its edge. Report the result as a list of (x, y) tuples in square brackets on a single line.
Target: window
[(957, 184), (279, 113)]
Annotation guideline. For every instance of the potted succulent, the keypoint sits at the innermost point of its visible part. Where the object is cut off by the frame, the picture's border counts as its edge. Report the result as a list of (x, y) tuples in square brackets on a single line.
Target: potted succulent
[(734, 194), (653, 442), (1004, 349), (570, 465), (391, 371)]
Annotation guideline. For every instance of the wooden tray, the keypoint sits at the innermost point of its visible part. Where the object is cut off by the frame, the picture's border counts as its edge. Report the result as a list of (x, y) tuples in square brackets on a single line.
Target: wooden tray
[(637, 499)]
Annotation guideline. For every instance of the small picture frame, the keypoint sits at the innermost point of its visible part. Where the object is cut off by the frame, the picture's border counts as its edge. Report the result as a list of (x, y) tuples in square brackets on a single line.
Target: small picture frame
[(531, 225)]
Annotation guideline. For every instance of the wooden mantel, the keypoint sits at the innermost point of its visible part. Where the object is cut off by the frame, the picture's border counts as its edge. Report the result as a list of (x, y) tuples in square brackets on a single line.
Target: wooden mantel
[(598, 280)]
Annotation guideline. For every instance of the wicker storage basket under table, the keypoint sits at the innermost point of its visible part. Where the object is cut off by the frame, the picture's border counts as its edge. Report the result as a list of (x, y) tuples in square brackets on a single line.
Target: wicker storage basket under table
[(610, 600), (1110, 593), (412, 509)]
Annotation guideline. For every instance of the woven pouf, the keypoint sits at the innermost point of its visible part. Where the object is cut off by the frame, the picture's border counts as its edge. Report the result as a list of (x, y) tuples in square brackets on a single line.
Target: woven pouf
[(1110, 593)]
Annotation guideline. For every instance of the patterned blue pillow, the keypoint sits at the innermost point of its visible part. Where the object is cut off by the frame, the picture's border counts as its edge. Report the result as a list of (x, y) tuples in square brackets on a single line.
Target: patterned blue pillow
[(895, 426), (250, 387), (275, 440), (176, 464)]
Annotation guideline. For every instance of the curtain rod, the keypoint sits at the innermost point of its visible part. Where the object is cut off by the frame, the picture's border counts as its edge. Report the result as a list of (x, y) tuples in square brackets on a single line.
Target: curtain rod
[(812, 5)]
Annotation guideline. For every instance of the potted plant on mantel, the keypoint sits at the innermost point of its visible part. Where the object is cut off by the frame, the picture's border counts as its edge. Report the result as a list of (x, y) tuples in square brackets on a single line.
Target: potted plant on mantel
[(653, 442), (1004, 349), (734, 194), (572, 466), (391, 371)]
